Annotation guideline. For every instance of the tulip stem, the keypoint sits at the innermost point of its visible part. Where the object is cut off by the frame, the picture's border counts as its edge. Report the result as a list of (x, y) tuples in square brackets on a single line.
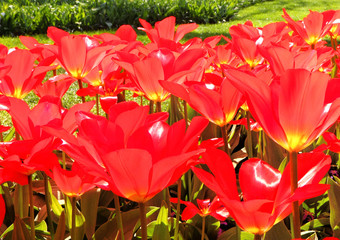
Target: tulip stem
[(48, 207), (30, 185), (97, 104), (158, 107), (73, 230), (203, 228), (293, 186), (178, 209), (185, 113), (119, 216), (151, 106), (258, 237), (337, 133), (80, 84), (143, 221), (64, 159), (249, 137), (238, 232), (225, 139)]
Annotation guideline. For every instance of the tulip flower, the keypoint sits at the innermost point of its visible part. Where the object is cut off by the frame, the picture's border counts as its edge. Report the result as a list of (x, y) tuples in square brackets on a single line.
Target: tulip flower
[(19, 75), (295, 112), (164, 34), (48, 111), (161, 64), (72, 183), (205, 207), (312, 28), (134, 169), (266, 192), (21, 159)]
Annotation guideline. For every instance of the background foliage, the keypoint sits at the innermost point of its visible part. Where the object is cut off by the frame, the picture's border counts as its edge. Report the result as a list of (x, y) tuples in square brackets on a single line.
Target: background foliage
[(19, 17)]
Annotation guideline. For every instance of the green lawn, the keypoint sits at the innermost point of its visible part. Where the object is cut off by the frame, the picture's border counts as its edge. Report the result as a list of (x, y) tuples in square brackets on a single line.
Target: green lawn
[(260, 14)]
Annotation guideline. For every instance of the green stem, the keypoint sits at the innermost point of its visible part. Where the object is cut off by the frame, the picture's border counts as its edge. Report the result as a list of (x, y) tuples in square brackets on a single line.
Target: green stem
[(189, 173), (178, 209), (337, 133), (238, 232), (151, 106), (185, 114), (203, 228), (249, 137), (63, 155), (73, 230), (20, 200), (48, 207), (143, 221), (80, 84), (225, 139), (97, 104), (119, 216), (30, 185), (293, 186), (158, 107), (258, 237)]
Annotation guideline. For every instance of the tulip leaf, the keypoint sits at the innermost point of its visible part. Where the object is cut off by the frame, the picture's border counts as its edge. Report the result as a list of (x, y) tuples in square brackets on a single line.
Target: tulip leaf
[(278, 231), (89, 207), (21, 200), (161, 231), (60, 232), (274, 153), (130, 224), (316, 224), (55, 205), (334, 204), (230, 234), (80, 220), (20, 230), (283, 164), (10, 135)]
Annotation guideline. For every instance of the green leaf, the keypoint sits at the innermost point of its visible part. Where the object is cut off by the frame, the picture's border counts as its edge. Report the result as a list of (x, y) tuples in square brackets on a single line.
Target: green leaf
[(20, 231), (161, 231), (55, 205), (316, 224), (80, 220), (60, 232), (334, 204), (230, 234), (278, 231), (89, 207), (10, 135), (131, 223)]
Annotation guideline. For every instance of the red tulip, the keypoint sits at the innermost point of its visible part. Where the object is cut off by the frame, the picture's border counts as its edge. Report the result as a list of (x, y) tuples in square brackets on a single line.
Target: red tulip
[(19, 75), (72, 183), (218, 103), (23, 158), (161, 64), (28, 122), (164, 34), (77, 54), (145, 155), (266, 192), (295, 112), (205, 207), (313, 27)]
